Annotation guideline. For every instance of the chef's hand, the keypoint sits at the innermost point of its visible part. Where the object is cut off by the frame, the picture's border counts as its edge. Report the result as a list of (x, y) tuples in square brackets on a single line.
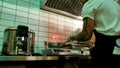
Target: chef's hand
[(66, 42), (71, 38)]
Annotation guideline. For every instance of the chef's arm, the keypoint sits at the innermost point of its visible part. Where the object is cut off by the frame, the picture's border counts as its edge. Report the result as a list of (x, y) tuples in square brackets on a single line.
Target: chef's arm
[(86, 34)]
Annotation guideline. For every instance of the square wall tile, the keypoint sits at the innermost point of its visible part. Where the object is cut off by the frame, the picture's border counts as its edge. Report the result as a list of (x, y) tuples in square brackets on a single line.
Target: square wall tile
[(62, 23), (33, 11), (2, 27), (54, 21), (21, 8), (42, 39), (22, 14), (11, 1), (23, 3), (33, 21), (43, 18), (43, 23), (26, 1), (33, 16), (53, 16), (7, 23), (44, 29), (33, 27), (21, 19), (8, 16), (34, 6), (9, 5), (35, 2), (43, 34), (8, 10), (0, 10), (1, 3)]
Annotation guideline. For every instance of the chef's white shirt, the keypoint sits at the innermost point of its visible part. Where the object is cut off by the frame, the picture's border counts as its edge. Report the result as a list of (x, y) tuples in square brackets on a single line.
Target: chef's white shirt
[(106, 14)]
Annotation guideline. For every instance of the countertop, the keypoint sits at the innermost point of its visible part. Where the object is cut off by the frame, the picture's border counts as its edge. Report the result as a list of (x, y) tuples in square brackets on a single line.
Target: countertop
[(38, 58), (45, 61)]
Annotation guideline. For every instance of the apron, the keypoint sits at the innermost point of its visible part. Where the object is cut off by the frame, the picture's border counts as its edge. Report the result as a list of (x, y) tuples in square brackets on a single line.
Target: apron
[(103, 50), (106, 43)]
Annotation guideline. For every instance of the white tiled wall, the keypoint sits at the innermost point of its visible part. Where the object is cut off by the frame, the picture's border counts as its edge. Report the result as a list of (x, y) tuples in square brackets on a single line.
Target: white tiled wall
[(43, 23)]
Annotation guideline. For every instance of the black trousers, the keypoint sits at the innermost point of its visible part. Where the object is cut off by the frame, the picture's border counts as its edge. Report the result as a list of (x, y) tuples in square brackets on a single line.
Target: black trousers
[(102, 52)]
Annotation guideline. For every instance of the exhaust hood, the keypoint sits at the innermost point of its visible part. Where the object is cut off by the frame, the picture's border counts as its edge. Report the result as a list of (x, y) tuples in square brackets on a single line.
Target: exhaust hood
[(71, 8)]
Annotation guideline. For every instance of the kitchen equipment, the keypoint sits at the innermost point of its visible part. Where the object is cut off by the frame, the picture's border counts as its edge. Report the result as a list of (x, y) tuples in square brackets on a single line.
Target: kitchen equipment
[(30, 42), (9, 41), (62, 51), (18, 41), (22, 38)]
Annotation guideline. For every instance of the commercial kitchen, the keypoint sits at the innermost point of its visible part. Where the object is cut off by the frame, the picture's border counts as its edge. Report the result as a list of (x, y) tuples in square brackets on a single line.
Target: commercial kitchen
[(32, 33)]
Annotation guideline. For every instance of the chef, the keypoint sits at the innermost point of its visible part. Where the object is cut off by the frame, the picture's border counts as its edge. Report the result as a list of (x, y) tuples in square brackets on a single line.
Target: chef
[(103, 18)]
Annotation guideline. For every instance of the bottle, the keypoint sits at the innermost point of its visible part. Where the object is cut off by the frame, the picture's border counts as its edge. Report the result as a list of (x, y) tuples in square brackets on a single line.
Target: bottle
[(18, 48)]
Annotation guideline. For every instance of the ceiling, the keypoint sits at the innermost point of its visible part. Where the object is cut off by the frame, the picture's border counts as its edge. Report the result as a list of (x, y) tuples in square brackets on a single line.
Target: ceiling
[(68, 7)]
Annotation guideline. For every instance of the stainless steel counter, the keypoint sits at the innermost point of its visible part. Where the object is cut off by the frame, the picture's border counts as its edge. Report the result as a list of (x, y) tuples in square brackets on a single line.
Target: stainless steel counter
[(27, 58), (45, 61), (35, 58)]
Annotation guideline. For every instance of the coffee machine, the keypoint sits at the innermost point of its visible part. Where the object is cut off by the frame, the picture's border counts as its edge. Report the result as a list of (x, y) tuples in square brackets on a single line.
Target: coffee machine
[(18, 41)]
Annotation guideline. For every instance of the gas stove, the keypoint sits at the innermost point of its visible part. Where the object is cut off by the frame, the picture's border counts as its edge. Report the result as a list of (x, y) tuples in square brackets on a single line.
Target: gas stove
[(63, 51)]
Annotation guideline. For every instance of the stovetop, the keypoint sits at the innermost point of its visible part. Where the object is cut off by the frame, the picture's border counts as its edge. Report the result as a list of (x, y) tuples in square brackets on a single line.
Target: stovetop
[(63, 51)]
